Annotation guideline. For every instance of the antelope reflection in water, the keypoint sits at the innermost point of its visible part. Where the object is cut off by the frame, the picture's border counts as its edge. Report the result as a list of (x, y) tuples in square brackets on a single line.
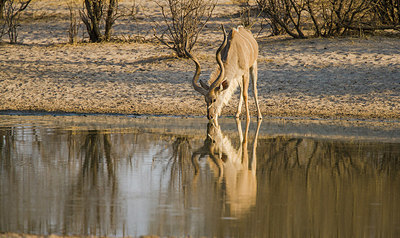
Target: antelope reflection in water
[(234, 169)]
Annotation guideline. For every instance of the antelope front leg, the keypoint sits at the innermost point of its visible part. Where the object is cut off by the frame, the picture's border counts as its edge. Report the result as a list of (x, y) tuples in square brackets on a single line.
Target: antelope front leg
[(239, 108), (245, 93)]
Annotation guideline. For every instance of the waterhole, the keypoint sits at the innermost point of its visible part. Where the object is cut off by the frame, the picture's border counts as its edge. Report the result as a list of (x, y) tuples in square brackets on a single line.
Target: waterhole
[(168, 176)]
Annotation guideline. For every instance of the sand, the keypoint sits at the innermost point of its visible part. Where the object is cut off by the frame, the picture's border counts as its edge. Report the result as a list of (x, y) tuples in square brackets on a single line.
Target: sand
[(317, 78)]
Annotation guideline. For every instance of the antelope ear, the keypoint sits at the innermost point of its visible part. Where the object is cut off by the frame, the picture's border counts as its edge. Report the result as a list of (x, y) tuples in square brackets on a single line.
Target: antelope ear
[(225, 85), (204, 85)]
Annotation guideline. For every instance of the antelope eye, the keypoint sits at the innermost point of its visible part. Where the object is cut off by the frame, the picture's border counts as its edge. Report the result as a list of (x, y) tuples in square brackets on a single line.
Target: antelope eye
[(214, 100)]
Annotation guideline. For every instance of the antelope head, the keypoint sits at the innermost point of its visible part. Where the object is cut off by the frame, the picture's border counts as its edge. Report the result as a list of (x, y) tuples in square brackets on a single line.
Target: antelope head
[(211, 93)]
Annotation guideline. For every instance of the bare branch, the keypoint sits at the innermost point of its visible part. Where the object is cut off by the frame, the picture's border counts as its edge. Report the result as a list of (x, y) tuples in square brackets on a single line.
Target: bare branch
[(183, 19)]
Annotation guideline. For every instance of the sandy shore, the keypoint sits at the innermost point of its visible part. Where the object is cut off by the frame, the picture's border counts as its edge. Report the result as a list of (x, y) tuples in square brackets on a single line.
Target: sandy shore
[(328, 78)]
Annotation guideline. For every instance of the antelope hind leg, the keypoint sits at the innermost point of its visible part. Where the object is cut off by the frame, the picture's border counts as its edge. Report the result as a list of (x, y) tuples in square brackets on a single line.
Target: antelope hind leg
[(245, 93), (253, 75)]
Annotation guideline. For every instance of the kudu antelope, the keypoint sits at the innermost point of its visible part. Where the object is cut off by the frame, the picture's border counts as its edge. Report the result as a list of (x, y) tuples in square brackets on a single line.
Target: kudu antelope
[(237, 61)]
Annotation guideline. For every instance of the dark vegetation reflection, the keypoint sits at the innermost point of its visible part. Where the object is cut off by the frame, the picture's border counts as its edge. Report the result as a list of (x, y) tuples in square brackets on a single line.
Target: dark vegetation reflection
[(56, 181), (96, 187), (231, 183)]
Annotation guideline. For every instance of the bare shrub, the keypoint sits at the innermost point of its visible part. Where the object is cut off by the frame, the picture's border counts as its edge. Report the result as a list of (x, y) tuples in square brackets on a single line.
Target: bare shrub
[(184, 20), (363, 15), (386, 13), (96, 12), (285, 15), (133, 10), (275, 25), (2, 3), (111, 16), (340, 16), (73, 23), (322, 17), (248, 13), (2, 22), (11, 12)]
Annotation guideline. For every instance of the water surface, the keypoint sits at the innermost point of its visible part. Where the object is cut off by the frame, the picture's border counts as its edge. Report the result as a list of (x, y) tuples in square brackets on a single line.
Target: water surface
[(120, 176)]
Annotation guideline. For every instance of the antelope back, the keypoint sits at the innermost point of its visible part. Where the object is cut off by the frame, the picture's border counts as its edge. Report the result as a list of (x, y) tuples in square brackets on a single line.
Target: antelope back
[(241, 50)]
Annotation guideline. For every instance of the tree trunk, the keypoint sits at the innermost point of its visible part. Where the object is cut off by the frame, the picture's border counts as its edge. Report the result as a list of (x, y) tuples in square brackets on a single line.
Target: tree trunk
[(92, 19), (112, 8), (2, 3)]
